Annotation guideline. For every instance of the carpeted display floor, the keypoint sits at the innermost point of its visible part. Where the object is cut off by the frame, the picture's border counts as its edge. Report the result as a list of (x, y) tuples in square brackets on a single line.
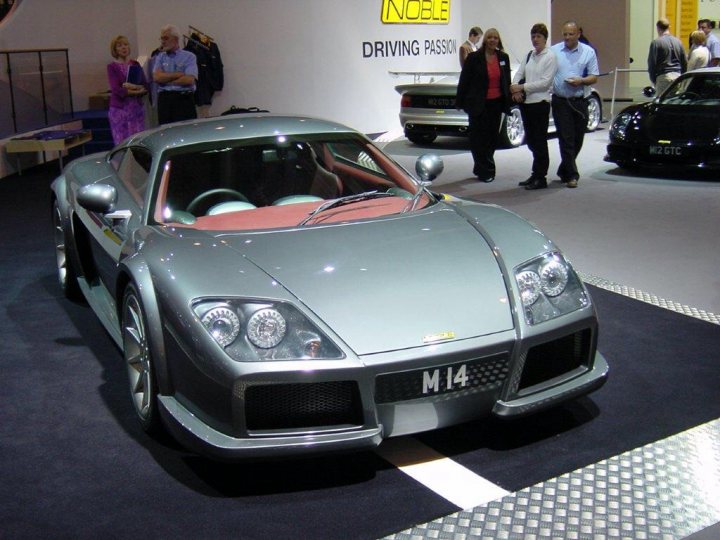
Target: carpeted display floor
[(74, 462)]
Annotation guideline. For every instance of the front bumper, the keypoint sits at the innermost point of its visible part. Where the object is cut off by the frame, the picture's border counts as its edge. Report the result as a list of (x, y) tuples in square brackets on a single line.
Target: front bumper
[(278, 412), (690, 155)]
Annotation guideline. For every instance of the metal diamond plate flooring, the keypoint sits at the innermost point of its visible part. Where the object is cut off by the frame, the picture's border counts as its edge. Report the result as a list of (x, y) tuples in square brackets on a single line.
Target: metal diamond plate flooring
[(666, 490)]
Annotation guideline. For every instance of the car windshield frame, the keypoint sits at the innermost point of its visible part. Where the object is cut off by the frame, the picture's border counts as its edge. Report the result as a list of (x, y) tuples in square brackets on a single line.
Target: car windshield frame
[(694, 89), (289, 175)]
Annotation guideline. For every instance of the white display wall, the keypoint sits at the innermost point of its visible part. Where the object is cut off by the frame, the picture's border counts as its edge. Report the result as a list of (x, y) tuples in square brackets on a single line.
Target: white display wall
[(331, 58), (327, 58)]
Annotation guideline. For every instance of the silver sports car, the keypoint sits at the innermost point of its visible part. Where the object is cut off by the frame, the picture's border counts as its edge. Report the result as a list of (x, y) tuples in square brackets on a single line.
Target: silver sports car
[(279, 286), (428, 110)]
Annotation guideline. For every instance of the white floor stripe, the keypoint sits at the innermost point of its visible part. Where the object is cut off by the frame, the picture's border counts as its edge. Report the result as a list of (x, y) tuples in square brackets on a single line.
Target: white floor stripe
[(450, 480)]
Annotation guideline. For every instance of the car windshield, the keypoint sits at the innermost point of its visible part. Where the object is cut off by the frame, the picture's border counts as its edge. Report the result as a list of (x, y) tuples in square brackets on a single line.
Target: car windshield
[(278, 182), (696, 89)]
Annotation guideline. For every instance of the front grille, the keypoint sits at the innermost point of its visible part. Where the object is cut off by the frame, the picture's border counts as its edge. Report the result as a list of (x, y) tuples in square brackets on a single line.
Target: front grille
[(478, 375), (302, 405), (556, 358)]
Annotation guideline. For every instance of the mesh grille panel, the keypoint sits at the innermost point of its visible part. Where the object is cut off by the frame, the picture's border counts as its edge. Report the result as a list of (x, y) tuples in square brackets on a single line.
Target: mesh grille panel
[(302, 405), (556, 358)]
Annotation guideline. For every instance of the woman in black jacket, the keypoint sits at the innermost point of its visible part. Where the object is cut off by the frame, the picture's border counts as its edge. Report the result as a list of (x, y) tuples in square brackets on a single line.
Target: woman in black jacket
[(484, 94)]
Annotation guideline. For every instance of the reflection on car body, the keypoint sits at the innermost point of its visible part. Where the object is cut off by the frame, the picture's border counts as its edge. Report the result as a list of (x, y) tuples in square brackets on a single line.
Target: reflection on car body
[(279, 286)]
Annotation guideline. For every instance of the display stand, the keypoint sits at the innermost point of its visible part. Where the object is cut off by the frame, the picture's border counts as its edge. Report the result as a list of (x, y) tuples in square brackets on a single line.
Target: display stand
[(48, 141)]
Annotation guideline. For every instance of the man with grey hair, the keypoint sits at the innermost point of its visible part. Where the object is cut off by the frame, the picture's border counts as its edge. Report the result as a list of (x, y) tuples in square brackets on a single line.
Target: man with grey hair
[(175, 72), (666, 59)]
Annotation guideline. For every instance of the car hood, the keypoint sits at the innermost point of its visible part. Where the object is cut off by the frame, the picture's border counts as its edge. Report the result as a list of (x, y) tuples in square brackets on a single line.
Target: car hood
[(389, 284)]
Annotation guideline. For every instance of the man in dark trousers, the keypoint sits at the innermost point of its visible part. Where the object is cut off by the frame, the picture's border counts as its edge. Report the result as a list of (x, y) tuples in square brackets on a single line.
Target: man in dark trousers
[(175, 72), (577, 69)]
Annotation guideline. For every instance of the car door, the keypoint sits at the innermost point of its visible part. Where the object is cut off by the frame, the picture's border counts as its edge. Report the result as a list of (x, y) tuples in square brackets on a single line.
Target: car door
[(130, 168)]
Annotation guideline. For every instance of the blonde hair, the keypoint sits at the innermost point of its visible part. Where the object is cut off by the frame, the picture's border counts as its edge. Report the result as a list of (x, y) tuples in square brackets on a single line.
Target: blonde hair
[(113, 43), (698, 37)]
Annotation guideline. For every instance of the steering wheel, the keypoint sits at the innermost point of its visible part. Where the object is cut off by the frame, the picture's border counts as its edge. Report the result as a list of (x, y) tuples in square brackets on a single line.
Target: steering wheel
[(211, 192)]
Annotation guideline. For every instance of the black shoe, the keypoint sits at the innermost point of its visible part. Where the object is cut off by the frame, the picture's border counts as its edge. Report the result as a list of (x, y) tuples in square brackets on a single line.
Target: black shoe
[(537, 184), (487, 180), (527, 182)]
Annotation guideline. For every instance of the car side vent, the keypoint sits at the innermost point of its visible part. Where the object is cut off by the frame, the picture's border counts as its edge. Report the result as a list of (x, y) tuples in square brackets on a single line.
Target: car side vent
[(302, 406), (556, 358)]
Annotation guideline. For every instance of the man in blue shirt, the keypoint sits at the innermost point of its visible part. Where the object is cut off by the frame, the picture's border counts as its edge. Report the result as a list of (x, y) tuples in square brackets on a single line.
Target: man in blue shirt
[(577, 69), (175, 72)]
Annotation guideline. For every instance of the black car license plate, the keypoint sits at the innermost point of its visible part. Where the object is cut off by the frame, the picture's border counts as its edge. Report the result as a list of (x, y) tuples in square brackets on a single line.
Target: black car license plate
[(665, 150), (480, 375)]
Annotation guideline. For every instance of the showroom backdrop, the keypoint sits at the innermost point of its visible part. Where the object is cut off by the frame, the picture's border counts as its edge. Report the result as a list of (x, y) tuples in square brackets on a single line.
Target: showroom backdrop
[(327, 58)]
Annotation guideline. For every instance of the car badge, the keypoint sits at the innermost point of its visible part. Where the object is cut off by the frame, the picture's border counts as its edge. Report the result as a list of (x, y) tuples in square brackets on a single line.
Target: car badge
[(441, 336)]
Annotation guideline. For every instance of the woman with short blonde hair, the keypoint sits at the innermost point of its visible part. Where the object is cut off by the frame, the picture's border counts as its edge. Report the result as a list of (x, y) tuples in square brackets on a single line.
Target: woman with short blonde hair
[(699, 53), (127, 86)]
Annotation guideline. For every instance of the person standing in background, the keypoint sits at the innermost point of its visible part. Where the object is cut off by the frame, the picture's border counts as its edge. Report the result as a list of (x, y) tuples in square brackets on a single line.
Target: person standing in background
[(470, 44), (666, 58), (175, 72), (537, 72), (484, 94), (699, 53), (126, 114), (577, 68), (711, 41)]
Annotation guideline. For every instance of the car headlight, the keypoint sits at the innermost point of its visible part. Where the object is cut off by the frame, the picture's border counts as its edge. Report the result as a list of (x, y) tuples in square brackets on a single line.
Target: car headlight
[(255, 331), (620, 125), (549, 288)]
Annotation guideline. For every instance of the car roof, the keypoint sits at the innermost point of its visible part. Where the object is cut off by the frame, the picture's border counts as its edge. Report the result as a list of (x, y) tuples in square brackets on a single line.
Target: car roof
[(232, 127)]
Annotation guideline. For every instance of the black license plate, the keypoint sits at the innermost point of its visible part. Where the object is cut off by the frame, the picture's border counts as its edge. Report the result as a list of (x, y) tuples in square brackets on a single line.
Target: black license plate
[(479, 374), (665, 150)]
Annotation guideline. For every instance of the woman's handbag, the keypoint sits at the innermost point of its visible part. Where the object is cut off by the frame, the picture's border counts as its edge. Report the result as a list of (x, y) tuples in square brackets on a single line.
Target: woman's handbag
[(522, 81)]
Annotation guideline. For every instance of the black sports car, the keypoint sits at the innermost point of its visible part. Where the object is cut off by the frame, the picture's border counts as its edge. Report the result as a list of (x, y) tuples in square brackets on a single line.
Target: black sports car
[(679, 128)]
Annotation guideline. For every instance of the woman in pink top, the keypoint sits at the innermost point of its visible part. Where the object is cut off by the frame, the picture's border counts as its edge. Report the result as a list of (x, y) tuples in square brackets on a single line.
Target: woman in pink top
[(484, 94), (127, 86)]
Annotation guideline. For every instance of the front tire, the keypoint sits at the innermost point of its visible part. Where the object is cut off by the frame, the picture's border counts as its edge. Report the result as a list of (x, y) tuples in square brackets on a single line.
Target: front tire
[(512, 130), (67, 278), (139, 362)]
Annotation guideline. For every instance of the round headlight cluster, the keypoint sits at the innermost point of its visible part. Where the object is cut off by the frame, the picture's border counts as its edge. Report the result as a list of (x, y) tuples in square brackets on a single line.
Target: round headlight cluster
[(266, 328), (223, 324), (553, 277), (529, 284), (550, 279)]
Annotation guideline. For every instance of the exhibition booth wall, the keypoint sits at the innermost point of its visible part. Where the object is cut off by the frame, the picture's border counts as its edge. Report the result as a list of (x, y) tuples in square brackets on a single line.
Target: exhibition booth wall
[(325, 58)]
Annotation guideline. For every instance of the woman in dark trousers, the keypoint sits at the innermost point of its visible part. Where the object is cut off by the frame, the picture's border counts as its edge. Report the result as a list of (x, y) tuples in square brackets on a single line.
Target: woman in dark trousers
[(536, 72), (484, 94)]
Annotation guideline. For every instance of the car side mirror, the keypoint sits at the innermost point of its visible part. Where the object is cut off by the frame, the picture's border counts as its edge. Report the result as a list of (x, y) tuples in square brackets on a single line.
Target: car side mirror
[(99, 198), (428, 167), (649, 91)]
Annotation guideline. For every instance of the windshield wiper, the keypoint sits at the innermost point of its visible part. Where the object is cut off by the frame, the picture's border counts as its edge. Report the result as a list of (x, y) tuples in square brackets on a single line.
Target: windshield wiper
[(348, 199)]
